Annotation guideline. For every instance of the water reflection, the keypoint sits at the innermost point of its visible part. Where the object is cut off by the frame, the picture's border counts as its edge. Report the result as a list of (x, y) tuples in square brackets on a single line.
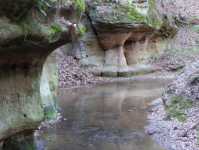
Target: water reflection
[(107, 116)]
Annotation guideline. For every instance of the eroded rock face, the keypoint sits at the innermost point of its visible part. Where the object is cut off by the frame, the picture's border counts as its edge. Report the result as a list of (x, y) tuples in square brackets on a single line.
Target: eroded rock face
[(26, 39), (48, 86), (129, 33), (89, 51)]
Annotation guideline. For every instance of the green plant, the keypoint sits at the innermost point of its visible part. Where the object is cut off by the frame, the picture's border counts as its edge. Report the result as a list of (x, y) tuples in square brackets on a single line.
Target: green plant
[(43, 6)]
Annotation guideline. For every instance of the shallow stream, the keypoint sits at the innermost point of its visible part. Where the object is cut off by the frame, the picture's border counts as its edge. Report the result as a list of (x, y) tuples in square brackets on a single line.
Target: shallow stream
[(108, 116)]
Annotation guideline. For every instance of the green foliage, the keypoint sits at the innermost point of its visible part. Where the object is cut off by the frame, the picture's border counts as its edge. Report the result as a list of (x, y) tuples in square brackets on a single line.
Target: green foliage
[(43, 6)]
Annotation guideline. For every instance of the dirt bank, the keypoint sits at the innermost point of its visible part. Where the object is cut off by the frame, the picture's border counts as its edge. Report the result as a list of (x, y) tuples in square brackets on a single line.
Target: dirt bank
[(173, 134)]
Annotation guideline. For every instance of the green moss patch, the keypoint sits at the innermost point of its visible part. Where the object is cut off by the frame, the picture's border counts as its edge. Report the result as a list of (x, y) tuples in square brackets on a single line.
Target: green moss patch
[(56, 28), (180, 117), (109, 74), (27, 144), (124, 74), (49, 112), (176, 106), (118, 13), (142, 72), (132, 13)]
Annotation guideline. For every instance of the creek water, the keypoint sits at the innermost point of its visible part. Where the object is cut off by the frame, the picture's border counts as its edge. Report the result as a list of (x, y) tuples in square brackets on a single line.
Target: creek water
[(108, 116)]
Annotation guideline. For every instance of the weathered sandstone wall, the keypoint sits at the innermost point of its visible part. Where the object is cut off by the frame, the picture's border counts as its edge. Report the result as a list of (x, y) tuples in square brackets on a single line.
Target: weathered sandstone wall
[(121, 37), (27, 37)]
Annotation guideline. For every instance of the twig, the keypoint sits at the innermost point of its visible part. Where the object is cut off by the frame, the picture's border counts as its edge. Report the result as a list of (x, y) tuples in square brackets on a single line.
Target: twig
[(36, 43), (24, 38)]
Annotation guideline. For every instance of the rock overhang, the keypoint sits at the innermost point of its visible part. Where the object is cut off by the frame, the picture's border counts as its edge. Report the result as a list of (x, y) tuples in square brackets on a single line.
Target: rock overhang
[(25, 42)]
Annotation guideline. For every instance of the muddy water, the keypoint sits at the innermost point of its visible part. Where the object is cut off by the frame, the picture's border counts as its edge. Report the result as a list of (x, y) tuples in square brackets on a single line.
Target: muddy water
[(109, 116)]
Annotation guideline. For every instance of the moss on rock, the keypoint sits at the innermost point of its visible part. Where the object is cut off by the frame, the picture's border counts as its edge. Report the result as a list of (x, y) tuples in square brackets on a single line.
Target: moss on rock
[(49, 112), (176, 106), (124, 74), (132, 13), (118, 13), (26, 144), (56, 28), (109, 74), (142, 72)]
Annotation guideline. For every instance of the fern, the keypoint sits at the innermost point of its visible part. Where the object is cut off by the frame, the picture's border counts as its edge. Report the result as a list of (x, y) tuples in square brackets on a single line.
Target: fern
[(42, 5)]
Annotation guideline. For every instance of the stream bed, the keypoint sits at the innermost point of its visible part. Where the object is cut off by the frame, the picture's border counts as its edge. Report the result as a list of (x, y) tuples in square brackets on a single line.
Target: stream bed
[(108, 116)]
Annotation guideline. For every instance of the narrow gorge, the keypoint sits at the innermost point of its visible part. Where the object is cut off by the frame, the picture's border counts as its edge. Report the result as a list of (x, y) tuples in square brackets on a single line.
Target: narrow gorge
[(108, 38)]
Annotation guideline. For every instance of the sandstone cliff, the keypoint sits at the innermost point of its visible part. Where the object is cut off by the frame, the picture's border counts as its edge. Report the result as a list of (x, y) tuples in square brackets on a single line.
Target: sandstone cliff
[(122, 37), (29, 32)]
